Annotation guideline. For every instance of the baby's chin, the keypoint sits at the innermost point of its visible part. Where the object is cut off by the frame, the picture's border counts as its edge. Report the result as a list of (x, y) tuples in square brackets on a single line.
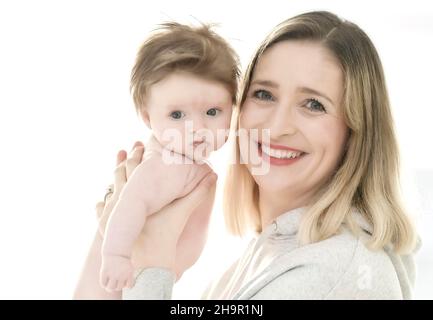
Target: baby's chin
[(198, 154)]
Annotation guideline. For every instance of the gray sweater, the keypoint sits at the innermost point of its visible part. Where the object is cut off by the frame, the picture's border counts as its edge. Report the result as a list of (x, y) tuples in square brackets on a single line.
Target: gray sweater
[(274, 266)]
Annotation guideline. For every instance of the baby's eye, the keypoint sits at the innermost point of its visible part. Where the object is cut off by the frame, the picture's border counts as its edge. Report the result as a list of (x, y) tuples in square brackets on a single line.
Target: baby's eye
[(315, 106), (263, 95), (213, 112), (177, 115)]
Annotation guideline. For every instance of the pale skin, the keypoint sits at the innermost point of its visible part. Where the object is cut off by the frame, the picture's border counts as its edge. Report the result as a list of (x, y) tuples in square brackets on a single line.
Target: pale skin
[(181, 99), (278, 99), (180, 243), (283, 108), (153, 184)]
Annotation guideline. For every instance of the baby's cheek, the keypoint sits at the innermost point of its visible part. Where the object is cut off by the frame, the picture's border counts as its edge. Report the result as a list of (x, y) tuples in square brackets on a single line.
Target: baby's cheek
[(219, 138), (218, 143), (173, 139)]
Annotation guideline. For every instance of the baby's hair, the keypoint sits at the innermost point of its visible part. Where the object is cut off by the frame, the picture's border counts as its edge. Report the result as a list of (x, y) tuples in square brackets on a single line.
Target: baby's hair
[(176, 47)]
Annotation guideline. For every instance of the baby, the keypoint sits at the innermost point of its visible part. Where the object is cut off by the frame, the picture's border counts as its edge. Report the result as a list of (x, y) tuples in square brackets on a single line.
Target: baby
[(184, 85)]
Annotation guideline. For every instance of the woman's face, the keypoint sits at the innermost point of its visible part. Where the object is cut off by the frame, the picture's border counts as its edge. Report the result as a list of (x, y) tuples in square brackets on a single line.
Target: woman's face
[(296, 92)]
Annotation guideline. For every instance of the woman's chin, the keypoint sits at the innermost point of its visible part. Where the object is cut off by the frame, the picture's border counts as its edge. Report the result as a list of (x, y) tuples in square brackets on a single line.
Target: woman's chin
[(275, 184)]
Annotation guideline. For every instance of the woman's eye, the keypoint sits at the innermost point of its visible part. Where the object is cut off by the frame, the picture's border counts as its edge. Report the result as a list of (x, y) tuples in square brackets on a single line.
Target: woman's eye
[(213, 112), (177, 115), (263, 95), (315, 106)]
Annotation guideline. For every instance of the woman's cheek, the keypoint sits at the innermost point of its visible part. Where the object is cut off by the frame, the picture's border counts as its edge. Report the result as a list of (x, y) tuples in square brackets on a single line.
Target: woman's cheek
[(246, 118), (337, 140)]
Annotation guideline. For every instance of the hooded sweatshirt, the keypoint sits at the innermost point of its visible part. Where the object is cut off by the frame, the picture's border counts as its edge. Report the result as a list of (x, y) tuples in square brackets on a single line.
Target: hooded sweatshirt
[(274, 266)]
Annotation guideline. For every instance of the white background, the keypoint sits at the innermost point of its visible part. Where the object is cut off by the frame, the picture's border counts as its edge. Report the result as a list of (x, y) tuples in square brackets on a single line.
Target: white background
[(65, 111)]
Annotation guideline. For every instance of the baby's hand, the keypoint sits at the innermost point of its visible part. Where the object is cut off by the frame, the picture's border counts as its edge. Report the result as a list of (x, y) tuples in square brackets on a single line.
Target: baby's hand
[(116, 273)]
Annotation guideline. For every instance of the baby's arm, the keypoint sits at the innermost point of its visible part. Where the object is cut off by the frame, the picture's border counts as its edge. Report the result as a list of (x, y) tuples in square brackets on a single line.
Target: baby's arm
[(140, 197), (151, 186)]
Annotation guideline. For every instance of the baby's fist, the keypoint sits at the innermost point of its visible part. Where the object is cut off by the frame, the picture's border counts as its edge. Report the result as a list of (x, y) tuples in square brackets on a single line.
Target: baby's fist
[(116, 273)]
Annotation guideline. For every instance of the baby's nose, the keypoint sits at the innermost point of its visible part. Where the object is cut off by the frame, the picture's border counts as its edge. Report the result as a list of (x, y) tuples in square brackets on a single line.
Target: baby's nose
[(198, 124)]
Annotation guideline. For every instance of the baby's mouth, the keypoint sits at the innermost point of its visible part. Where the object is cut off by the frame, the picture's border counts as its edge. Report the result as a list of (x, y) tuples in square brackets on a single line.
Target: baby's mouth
[(197, 143)]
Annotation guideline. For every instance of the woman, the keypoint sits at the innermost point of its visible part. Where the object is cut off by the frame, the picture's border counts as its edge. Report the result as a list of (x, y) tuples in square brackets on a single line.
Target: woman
[(327, 213)]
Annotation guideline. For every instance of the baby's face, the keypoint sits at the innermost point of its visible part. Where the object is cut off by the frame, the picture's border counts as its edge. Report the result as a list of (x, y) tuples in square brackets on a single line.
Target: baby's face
[(189, 114)]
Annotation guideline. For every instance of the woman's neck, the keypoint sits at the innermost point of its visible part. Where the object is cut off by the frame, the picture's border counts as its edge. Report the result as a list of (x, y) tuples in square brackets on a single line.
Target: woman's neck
[(273, 204)]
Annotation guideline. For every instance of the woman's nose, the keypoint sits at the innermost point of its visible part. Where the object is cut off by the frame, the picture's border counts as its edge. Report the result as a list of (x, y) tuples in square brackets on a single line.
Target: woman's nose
[(283, 121)]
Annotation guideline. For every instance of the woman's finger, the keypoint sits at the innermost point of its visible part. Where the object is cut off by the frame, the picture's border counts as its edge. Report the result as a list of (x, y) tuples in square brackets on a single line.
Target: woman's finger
[(99, 209), (119, 177), (120, 171), (134, 160), (137, 144), (121, 156), (109, 192)]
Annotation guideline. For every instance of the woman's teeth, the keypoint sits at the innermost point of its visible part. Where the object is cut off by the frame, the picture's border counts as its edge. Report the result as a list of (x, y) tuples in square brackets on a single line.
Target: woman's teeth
[(281, 154)]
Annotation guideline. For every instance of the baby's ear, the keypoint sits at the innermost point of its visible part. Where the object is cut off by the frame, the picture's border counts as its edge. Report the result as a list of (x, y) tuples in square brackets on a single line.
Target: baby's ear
[(145, 117)]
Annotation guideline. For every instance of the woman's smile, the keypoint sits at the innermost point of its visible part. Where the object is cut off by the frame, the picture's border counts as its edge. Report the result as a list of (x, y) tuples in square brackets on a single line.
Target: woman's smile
[(279, 155)]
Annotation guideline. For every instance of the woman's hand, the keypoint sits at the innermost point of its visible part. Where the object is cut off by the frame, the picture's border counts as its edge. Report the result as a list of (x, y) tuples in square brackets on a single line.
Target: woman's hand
[(174, 237)]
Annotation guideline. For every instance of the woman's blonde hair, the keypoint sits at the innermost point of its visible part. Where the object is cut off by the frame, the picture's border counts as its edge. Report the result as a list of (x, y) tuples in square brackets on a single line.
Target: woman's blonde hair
[(367, 178), (173, 47)]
